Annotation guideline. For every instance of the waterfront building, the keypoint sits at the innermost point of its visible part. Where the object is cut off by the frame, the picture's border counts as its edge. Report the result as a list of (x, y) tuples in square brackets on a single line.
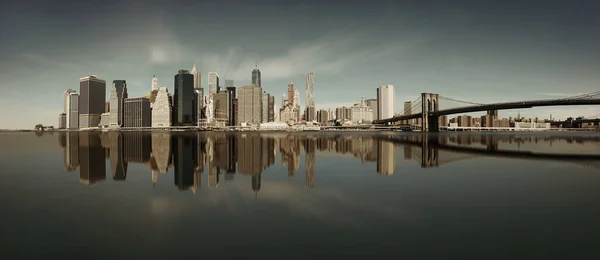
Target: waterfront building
[(183, 99), (372, 102), (271, 114), (161, 111), (104, 120), (361, 113), (213, 82), (62, 121), (323, 116), (309, 114), (265, 107), (66, 99), (385, 101), (250, 104), (118, 94), (137, 112), (232, 101), (221, 107), (92, 98), (289, 114), (73, 111)]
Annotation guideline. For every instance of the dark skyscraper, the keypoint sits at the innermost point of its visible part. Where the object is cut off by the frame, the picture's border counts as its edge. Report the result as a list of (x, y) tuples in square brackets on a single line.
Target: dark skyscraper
[(256, 77), (92, 98), (183, 99), (232, 109), (118, 94)]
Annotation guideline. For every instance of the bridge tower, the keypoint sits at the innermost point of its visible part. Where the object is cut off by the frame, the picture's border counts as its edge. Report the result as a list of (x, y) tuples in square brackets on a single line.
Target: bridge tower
[(429, 103)]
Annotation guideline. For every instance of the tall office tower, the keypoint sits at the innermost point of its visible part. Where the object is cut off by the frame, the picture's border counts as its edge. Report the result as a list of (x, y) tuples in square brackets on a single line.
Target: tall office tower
[(221, 105), (249, 104), (265, 107), (385, 157), (199, 105), (118, 94), (385, 101), (232, 102), (92, 97), (372, 102), (161, 111), (66, 99), (197, 77), (73, 111), (183, 99), (137, 112), (213, 83), (290, 94), (271, 114), (229, 83), (309, 113), (62, 121), (256, 76)]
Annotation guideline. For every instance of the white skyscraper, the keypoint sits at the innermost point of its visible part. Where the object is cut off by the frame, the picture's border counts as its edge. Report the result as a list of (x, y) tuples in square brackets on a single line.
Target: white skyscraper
[(310, 89), (197, 78), (73, 111), (154, 83), (161, 111), (66, 98), (297, 99), (213, 83), (386, 101)]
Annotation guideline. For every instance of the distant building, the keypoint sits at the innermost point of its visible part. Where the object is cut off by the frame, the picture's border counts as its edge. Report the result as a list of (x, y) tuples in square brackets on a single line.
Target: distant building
[(73, 111), (92, 98), (62, 121), (310, 97), (221, 106), (323, 116), (118, 94), (372, 102), (232, 101), (271, 114), (199, 105), (107, 107), (213, 83), (66, 99), (289, 114), (104, 120), (256, 81), (361, 113), (137, 112), (265, 107), (385, 101), (183, 100), (343, 113), (161, 111), (250, 104)]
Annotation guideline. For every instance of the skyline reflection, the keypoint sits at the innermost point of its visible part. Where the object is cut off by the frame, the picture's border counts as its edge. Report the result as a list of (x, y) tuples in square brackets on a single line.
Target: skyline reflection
[(223, 155)]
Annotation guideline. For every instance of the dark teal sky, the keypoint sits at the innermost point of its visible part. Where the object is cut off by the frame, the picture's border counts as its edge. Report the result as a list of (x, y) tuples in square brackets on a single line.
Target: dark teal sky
[(483, 51)]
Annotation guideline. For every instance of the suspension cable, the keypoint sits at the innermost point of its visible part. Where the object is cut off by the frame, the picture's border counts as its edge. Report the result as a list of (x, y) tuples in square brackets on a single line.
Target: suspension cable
[(461, 101)]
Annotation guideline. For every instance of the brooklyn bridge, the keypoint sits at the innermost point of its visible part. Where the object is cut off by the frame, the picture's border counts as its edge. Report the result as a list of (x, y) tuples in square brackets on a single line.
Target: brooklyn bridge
[(427, 108)]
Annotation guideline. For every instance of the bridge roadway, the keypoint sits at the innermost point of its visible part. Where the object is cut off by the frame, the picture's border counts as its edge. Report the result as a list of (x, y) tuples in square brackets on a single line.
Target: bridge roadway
[(497, 106)]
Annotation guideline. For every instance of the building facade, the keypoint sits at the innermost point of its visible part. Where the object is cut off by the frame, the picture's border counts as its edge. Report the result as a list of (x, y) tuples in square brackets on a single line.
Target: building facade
[(250, 104), (137, 112), (62, 121), (221, 105), (213, 83), (323, 116), (73, 111), (232, 101), (265, 107), (66, 99), (372, 102), (271, 113), (183, 100), (161, 111), (385, 101), (92, 98), (309, 114), (118, 94), (361, 113), (256, 81)]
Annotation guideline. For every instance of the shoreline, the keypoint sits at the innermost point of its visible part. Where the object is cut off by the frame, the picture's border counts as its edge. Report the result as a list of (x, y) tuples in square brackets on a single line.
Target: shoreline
[(197, 129)]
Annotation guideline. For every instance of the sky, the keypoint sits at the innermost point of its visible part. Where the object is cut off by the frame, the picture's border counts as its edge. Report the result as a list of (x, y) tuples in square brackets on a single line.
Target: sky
[(479, 51)]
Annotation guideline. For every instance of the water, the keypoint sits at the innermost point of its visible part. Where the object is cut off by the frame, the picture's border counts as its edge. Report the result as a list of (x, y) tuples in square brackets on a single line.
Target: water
[(300, 195)]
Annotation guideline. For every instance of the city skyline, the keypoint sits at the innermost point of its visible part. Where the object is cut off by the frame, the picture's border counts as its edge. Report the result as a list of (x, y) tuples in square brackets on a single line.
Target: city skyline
[(465, 49)]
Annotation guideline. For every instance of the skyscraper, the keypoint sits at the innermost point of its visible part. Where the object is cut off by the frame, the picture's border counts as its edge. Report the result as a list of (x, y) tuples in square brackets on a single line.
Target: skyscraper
[(297, 99), (221, 104), (372, 102), (213, 83), (290, 94), (310, 97), (118, 94), (73, 111), (232, 103), (198, 94), (66, 98), (197, 78), (265, 107), (271, 114), (385, 101), (92, 97), (183, 99), (256, 77), (137, 112), (249, 104), (161, 111)]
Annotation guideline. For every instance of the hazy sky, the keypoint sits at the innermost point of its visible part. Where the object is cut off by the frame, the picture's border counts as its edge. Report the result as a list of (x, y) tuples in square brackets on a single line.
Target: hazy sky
[(483, 51)]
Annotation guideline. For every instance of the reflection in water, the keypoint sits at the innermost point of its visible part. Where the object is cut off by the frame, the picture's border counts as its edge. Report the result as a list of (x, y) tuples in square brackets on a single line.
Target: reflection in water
[(190, 154)]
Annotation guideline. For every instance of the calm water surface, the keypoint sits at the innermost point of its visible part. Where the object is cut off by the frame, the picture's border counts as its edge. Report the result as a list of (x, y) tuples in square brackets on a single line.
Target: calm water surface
[(381, 195)]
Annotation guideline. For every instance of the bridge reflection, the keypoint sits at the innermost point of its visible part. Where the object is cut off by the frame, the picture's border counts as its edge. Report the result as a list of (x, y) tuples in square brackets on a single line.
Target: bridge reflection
[(223, 155)]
